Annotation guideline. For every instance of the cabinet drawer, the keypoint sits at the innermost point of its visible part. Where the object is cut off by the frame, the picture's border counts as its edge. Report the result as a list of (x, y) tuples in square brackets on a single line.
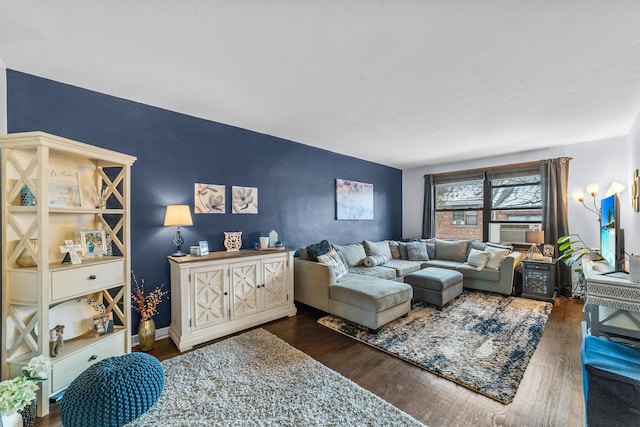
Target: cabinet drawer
[(79, 281), (65, 370), (540, 267)]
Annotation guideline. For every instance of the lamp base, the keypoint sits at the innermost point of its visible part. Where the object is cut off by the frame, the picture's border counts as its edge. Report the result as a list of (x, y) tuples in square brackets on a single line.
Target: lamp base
[(178, 254)]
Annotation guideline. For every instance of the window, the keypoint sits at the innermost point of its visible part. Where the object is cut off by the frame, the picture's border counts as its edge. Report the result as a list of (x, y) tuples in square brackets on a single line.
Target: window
[(498, 205)]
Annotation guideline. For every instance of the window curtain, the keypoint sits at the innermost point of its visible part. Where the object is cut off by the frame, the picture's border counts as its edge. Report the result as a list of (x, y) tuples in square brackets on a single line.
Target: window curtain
[(554, 174), (427, 212)]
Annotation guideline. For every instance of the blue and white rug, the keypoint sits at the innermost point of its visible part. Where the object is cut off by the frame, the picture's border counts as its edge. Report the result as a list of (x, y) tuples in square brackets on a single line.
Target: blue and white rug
[(480, 341)]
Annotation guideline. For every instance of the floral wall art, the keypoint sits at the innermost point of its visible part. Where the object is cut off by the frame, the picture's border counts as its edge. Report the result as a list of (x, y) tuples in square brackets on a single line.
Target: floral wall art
[(209, 198), (354, 200), (244, 200)]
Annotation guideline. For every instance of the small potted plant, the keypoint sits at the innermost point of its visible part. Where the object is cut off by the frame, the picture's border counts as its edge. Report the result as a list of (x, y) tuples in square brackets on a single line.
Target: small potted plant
[(573, 248), (19, 393)]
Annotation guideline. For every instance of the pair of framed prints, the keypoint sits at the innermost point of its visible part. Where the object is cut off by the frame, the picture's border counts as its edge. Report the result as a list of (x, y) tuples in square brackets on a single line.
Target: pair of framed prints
[(93, 243)]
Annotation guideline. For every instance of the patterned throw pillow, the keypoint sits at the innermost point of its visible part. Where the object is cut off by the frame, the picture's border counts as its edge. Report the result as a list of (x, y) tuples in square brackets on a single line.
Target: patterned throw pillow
[(318, 249), (332, 259), (478, 259), (417, 251)]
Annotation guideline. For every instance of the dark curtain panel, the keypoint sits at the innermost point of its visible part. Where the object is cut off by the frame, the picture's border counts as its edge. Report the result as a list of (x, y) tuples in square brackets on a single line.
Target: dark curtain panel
[(427, 213), (555, 178)]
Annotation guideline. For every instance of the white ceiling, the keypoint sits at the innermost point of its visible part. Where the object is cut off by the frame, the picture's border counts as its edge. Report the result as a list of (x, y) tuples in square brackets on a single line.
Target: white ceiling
[(402, 83)]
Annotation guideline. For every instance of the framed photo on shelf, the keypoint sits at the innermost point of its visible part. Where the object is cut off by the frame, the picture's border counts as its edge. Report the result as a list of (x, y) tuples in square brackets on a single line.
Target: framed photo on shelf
[(94, 242), (204, 247), (64, 187), (103, 323), (548, 251)]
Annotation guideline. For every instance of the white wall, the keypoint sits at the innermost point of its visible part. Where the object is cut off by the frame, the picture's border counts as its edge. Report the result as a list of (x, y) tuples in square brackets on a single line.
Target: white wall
[(632, 226), (601, 161), (3, 98)]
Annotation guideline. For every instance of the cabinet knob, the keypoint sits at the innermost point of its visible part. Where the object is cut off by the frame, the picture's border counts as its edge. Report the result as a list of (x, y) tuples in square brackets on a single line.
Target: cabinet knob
[(93, 357), (226, 293), (92, 277)]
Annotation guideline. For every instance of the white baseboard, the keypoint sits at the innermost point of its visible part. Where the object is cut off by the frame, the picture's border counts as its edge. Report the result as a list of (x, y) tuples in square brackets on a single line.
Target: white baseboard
[(160, 333)]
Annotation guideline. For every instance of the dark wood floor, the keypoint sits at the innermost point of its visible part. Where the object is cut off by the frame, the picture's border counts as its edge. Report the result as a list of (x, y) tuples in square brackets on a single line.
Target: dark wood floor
[(550, 393)]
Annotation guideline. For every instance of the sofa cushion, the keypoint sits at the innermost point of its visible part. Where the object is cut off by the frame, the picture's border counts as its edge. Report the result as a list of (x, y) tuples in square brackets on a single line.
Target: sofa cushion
[(369, 293), (377, 248), (499, 246), (394, 248), (477, 244), (497, 256), (303, 253), (353, 254), (332, 260), (442, 263), (375, 260), (478, 259), (380, 272), (417, 251), (471, 272), (318, 249), (403, 267), (452, 250)]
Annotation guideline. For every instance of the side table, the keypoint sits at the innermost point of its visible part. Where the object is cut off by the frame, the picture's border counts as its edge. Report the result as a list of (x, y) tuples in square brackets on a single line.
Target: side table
[(539, 279)]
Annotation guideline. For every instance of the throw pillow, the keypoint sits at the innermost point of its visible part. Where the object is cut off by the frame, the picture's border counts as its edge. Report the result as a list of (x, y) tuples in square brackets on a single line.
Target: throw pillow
[(431, 250), (497, 256), (452, 250), (477, 244), (394, 247), (417, 251), (303, 253), (478, 259), (375, 260), (377, 248), (332, 260), (402, 248), (318, 249), (353, 254), (344, 261)]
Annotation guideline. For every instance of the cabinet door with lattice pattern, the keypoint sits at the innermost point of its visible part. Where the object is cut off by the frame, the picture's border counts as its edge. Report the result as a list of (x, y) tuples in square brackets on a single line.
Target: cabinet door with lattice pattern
[(245, 282), (210, 294), (275, 286)]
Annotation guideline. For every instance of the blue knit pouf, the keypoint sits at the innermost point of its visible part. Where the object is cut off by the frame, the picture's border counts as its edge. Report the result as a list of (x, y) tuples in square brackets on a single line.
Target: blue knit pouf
[(113, 392)]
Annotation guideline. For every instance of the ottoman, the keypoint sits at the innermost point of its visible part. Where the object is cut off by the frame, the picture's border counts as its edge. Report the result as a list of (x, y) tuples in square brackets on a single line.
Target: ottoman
[(113, 391), (435, 285)]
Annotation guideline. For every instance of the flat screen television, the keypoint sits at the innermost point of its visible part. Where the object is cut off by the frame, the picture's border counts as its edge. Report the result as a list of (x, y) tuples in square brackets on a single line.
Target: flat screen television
[(611, 235)]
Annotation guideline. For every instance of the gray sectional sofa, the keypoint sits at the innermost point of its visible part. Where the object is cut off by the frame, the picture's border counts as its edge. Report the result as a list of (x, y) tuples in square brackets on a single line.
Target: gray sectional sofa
[(367, 287)]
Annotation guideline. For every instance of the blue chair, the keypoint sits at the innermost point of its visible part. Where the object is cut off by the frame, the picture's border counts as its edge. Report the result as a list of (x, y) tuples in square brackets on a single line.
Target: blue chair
[(611, 381), (113, 391)]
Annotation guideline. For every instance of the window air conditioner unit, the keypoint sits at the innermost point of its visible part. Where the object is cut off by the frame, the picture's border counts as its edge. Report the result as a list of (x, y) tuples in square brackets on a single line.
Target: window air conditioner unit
[(458, 222)]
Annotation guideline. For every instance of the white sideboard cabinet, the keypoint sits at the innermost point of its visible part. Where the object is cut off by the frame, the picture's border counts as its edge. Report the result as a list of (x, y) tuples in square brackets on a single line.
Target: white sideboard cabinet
[(50, 195), (226, 292)]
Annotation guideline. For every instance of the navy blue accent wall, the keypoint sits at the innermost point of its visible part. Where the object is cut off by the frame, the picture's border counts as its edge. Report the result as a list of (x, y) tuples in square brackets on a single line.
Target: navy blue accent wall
[(296, 182)]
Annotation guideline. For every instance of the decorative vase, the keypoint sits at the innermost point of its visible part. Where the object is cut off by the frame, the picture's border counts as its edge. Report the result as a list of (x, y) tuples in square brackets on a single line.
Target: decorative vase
[(26, 197), (13, 420), (233, 240), (28, 414), (25, 259), (147, 334)]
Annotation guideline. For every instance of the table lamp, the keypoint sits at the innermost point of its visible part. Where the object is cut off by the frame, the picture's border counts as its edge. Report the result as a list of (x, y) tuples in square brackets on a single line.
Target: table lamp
[(178, 215), (535, 237)]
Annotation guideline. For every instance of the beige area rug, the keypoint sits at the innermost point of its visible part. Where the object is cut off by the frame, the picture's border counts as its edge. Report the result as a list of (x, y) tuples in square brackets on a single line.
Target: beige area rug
[(256, 379), (480, 341)]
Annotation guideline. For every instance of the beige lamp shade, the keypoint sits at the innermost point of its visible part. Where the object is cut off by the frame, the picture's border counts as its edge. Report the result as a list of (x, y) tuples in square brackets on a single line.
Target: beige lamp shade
[(177, 215), (578, 195), (534, 236)]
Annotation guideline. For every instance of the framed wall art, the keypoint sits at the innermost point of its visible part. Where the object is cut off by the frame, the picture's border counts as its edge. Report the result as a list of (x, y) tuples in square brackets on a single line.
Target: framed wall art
[(94, 242), (244, 200), (354, 200), (209, 199)]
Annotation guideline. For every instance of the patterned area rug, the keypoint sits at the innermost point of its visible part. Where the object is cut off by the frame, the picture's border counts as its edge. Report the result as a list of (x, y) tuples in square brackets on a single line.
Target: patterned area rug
[(481, 341), (256, 379)]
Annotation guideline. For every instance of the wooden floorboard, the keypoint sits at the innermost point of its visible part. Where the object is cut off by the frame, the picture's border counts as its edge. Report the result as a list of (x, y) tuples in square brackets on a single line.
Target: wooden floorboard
[(550, 393)]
